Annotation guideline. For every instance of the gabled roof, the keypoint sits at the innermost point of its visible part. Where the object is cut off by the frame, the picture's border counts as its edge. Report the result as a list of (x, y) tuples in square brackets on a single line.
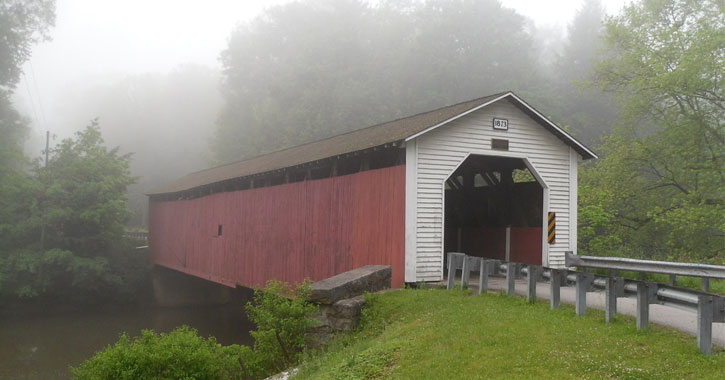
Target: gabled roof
[(377, 135)]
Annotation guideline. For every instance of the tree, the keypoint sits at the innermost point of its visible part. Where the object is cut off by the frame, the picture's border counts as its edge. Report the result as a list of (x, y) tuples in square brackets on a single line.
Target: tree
[(662, 179), (584, 35), (22, 24), (284, 73), (13, 131), (17, 187), (80, 199), (582, 105), (84, 204), (166, 120), (79, 196), (308, 70)]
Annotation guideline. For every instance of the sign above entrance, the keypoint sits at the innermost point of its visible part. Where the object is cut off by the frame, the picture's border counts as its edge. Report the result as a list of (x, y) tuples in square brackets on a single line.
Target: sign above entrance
[(501, 124)]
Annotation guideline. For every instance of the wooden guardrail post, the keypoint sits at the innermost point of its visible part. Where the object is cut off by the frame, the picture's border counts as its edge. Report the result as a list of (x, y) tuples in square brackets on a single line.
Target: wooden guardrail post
[(483, 278), (646, 295), (511, 269), (531, 277), (710, 308), (610, 299), (455, 260), (555, 296), (466, 271), (583, 281), (642, 306), (705, 312), (451, 272)]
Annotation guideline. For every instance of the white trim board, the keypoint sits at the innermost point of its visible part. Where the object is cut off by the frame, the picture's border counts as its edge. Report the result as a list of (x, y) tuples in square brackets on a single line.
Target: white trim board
[(411, 201), (438, 154), (457, 116), (488, 153), (520, 101)]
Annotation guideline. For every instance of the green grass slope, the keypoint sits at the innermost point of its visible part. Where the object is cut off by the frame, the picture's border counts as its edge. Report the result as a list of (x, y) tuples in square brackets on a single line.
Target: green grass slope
[(438, 334)]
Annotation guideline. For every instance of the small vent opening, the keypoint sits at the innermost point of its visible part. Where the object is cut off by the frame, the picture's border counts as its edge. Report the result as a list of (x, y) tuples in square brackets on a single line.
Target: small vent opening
[(499, 144)]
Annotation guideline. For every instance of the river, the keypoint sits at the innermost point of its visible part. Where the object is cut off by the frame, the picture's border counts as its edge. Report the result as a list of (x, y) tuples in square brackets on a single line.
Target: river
[(42, 344)]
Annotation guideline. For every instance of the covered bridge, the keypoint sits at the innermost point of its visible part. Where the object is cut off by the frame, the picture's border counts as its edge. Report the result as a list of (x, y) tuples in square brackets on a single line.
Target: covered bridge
[(485, 177)]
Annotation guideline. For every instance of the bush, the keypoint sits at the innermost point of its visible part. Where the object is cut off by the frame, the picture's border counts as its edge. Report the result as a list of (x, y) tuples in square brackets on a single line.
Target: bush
[(281, 312), (283, 316), (132, 266), (180, 354), (54, 273), (60, 275)]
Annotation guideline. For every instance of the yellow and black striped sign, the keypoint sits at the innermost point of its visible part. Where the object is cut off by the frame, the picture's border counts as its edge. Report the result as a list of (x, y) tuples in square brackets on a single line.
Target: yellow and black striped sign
[(552, 228)]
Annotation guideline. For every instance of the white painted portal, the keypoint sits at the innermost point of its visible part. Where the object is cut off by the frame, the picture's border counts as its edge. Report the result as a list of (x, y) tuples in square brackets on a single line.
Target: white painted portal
[(431, 157)]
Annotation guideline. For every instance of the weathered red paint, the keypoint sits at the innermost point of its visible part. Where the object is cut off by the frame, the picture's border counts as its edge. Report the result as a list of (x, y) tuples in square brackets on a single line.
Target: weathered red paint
[(491, 243), (312, 229), (526, 245)]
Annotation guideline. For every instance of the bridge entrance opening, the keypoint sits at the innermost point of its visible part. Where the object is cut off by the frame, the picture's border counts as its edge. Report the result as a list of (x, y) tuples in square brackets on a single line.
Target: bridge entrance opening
[(494, 209)]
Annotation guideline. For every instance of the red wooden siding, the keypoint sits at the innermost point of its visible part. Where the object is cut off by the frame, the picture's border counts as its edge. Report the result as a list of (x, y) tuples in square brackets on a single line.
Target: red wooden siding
[(491, 243), (312, 229), (526, 245)]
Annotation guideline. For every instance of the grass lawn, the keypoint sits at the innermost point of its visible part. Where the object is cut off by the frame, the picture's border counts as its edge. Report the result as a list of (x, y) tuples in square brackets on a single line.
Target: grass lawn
[(439, 334)]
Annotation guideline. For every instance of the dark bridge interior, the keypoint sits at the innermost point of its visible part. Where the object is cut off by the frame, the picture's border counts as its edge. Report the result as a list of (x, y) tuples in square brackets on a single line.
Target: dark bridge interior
[(485, 196)]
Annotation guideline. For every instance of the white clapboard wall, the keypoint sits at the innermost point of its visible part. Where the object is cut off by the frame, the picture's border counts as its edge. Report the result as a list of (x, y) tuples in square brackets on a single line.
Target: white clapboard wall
[(433, 156)]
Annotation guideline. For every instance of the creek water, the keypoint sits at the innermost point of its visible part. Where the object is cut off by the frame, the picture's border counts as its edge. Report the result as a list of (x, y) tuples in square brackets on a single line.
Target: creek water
[(43, 343)]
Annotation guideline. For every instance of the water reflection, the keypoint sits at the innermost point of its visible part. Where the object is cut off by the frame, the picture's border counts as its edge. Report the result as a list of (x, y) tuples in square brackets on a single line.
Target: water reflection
[(43, 344)]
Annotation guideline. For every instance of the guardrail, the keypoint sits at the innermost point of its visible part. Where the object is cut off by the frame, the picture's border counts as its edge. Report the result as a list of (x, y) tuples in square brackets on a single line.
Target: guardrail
[(705, 271), (709, 307), (137, 235)]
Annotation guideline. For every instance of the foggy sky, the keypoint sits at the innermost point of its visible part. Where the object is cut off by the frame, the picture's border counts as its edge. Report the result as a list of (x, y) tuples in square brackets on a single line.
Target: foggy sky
[(99, 41)]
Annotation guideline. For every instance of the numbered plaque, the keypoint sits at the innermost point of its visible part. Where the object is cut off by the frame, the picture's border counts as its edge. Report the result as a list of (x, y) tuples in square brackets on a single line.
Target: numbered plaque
[(500, 124)]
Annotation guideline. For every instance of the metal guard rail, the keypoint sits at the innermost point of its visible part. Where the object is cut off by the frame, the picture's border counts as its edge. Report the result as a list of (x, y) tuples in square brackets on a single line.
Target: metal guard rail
[(649, 266), (709, 307)]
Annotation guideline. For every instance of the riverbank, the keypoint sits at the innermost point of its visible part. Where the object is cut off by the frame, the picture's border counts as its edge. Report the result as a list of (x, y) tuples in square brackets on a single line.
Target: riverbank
[(42, 341), (437, 334)]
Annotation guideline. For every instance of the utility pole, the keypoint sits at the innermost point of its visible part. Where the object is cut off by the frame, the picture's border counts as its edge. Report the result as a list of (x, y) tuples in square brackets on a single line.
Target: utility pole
[(42, 207), (47, 142)]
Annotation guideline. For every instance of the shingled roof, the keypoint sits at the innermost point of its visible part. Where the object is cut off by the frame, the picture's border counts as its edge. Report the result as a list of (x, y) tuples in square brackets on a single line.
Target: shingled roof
[(361, 139)]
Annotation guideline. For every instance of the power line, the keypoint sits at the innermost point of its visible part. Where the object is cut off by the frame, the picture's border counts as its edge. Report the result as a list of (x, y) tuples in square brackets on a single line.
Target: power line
[(37, 93), (30, 98)]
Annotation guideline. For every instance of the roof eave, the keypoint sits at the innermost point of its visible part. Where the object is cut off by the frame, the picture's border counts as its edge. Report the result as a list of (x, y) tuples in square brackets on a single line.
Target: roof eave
[(161, 191), (582, 149), (457, 116)]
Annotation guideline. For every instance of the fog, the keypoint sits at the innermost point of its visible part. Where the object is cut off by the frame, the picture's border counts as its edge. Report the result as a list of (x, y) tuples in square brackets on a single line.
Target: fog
[(98, 43), (136, 94), (101, 42), (151, 73)]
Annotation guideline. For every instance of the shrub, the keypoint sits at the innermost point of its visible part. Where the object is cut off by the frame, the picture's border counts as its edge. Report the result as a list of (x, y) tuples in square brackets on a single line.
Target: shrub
[(180, 354), (283, 316), (132, 266), (54, 273), (60, 275), (281, 312)]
